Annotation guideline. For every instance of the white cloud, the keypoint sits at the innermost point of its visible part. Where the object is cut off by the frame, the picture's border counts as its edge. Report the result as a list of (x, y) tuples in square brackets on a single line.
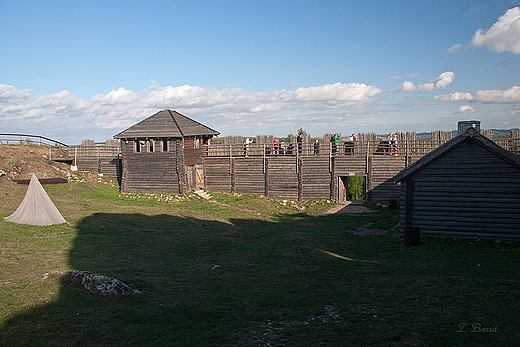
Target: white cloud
[(503, 36), (336, 94), (230, 108), (466, 109), (11, 95), (326, 96), (45, 107), (317, 108), (407, 86), (441, 82), (508, 96), (412, 75), (453, 97), (453, 49), (120, 96), (511, 95)]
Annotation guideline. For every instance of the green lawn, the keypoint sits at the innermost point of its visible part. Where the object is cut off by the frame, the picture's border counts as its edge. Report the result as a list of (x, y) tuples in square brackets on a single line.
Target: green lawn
[(229, 275)]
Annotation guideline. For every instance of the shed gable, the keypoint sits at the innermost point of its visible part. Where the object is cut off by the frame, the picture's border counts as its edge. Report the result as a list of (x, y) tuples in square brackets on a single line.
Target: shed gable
[(469, 159), (469, 188)]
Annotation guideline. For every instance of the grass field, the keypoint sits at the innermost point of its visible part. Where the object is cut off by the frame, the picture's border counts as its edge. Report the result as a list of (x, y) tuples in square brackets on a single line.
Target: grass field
[(249, 271)]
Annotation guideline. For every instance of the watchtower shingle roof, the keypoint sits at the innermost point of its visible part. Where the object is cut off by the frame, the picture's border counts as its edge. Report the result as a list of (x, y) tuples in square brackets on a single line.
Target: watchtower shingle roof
[(166, 124)]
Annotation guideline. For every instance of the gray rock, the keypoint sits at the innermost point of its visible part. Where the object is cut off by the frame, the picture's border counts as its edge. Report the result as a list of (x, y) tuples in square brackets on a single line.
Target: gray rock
[(103, 285)]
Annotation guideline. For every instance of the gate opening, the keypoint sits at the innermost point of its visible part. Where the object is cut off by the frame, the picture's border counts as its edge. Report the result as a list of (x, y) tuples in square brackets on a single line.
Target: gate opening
[(351, 188)]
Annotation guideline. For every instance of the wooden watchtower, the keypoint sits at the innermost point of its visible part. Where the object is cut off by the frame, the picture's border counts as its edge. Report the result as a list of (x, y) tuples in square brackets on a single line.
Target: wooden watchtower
[(163, 154)]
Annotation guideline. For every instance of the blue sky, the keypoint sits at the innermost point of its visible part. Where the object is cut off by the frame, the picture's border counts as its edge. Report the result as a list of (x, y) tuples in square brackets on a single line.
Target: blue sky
[(87, 70)]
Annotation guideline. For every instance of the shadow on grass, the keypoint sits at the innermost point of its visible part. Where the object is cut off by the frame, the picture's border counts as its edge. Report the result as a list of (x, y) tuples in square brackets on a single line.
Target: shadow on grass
[(202, 282), (251, 283)]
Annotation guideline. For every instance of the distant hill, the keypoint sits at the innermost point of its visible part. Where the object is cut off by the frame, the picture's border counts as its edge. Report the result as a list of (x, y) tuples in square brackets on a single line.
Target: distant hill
[(497, 134), (501, 134)]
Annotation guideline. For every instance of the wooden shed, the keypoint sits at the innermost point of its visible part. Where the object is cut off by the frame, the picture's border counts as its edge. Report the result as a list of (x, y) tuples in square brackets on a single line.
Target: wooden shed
[(468, 187), (163, 154)]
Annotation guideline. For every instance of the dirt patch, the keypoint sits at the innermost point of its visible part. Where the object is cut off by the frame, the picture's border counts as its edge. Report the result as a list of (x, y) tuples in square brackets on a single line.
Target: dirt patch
[(348, 208), (365, 230), (20, 161)]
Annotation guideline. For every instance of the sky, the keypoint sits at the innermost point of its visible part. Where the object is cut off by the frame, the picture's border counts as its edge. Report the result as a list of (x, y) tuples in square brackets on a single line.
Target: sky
[(73, 70)]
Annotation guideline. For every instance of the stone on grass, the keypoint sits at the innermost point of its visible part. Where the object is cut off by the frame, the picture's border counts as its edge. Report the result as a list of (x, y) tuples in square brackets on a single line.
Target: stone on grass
[(104, 285)]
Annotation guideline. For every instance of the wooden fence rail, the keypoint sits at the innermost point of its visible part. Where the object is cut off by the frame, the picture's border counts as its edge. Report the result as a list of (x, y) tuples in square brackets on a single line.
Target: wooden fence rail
[(34, 139), (362, 148)]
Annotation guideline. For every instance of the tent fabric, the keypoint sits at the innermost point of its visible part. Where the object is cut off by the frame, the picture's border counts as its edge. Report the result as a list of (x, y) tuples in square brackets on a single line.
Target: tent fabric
[(36, 208)]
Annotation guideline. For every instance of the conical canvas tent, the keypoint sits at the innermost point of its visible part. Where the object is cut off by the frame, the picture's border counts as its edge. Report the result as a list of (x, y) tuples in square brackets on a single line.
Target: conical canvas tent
[(36, 208)]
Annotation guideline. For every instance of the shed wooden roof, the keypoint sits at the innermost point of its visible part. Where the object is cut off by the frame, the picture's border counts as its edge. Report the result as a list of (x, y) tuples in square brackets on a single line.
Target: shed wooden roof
[(470, 135), (166, 124)]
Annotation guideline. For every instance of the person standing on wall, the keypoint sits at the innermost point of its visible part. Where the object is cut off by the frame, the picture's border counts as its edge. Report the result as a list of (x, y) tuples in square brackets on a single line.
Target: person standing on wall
[(337, 141), (276, 143), (393, 143), (389, 140), (349, 145), (246, 147)]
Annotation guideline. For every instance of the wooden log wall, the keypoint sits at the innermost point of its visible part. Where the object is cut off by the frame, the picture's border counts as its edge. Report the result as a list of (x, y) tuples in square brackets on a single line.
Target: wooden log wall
[(217, 173), (88, 143), (264, 139), (409, 137), (282, 178), (439, 135), (305, 177), (382, 169), (88, 164), (315, 178), (112, 143), (367, 137), (467, 193), (110, 167), (99, 159), (192, 151), (487, 133), (249, 175), (153, 172), (180, 166), (233, 139)]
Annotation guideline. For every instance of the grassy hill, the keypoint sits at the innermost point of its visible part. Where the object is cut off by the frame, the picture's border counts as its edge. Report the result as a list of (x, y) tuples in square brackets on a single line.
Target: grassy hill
[(239, 270)]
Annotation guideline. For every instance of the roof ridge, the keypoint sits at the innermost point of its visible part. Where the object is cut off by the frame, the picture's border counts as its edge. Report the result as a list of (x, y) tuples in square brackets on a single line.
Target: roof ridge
[(175, 121), (167, 123)]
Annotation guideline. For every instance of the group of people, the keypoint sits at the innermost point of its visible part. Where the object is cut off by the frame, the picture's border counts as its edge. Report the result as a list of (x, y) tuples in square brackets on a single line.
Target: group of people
[(335, 140), (391, 141), (349, 144), (279, 146)]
